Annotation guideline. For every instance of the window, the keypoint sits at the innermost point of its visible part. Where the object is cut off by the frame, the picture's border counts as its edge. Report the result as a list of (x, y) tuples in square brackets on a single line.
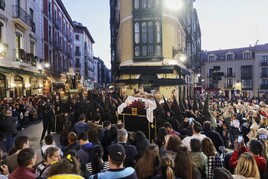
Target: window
[(77, 37), (211, 58), (147, 36), (18, 44), (246, 71), (264, 81), (32, 47), (264, 72), (246, 55), (229, 72), (264, 59), (230, 83), (136, 4), (247, 84), (229, 57), (146, 4)]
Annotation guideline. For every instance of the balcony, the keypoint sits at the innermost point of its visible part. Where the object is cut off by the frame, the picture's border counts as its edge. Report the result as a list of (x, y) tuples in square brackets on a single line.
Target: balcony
[(264, 86), (57, 23), (228, 86), (77, 53), (24, 59), (22, 17), (264, 75), (232, 74), (246, 76), (69, 38), (57, 45), (77, 65), (33, 27), (264, 64), (50, 40)]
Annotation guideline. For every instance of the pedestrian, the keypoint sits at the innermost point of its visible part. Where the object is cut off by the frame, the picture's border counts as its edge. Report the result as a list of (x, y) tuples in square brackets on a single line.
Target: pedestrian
[(48, 116), (10, 127), (26, 161)]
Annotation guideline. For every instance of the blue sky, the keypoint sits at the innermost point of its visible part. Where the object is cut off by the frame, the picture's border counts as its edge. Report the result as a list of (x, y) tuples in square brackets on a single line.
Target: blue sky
[(224, 23)]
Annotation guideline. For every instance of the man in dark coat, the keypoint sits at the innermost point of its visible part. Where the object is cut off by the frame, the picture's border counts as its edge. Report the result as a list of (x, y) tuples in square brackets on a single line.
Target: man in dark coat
[(10, 124), (48, 116), (131, 151), (214, 136)]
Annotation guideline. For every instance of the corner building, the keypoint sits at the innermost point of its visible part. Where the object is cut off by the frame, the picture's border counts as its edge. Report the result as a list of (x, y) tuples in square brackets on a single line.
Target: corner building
[(148, 45)]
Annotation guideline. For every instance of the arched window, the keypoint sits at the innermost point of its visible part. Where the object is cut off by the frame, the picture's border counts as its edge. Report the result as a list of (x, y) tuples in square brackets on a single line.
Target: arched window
[(137, 33), (144, 32), (143, 4), (137, 51), (150, 32), (158, 32), (136, 4)]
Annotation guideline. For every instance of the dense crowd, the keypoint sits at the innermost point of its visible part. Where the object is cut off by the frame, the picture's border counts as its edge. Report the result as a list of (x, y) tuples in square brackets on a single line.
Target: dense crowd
[(209, 138)]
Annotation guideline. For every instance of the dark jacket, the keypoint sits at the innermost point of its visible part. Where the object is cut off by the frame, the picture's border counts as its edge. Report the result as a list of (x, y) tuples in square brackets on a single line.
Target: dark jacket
[(84, 153), (131, 155), (215, 137)]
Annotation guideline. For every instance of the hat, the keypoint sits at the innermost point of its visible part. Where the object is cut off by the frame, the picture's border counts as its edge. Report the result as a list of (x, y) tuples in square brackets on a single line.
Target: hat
[(263, 131), (117, 152)]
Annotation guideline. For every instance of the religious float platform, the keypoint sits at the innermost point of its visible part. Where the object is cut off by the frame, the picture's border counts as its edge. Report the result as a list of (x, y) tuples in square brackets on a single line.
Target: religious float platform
[(138, 114)]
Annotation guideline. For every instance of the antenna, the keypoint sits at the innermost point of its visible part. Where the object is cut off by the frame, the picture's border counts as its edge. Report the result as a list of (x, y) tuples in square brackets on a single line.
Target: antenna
[(256, 42)]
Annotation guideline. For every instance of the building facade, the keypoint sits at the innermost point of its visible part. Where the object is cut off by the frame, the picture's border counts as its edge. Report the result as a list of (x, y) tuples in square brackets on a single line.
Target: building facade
[(242, 71), (57, 44), (149, 46), (83, 55), (102, 75), (21, 48)]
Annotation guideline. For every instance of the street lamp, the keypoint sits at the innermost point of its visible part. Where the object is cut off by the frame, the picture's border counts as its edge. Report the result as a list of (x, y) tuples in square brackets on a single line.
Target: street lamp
[(47, 65), (173, 4)]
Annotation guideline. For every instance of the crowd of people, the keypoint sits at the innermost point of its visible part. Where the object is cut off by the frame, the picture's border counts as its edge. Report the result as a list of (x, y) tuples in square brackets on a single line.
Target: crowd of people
[(196, 139)]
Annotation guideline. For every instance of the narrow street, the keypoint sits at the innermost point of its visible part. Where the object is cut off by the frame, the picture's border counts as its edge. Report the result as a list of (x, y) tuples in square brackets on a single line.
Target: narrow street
[(33, 131)]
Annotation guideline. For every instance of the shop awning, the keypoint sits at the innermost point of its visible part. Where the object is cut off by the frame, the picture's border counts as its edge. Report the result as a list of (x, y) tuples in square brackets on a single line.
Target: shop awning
[(53, 80)]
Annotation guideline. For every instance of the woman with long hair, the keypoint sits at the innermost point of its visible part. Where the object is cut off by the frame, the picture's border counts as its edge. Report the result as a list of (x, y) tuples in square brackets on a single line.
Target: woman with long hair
[(213, 158), (246, 167), (172, 145), (184, 171), (149, 164), (140, 142), (97, 165)]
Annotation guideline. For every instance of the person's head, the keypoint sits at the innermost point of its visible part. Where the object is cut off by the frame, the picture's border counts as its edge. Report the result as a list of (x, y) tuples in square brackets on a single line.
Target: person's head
[(22, 142), (93, 135), (149, 163), (167, 164), (8, 113), (173, 143), (66, 165), (221, 173), (197, 128), (82, 138), (247, 166), (122, 135), (255, 146), (52, 154), (116, 155), (49, 139), (82, 117), (140, 136), (96, 163), (182, 161), (196, 145), (207, 125), (26, 158), (208, 147), (106, 124), (72, 137), (168, 126)]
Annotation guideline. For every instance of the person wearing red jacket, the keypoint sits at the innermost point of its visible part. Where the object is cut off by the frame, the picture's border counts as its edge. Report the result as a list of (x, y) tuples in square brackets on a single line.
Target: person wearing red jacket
[(255, 147)]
